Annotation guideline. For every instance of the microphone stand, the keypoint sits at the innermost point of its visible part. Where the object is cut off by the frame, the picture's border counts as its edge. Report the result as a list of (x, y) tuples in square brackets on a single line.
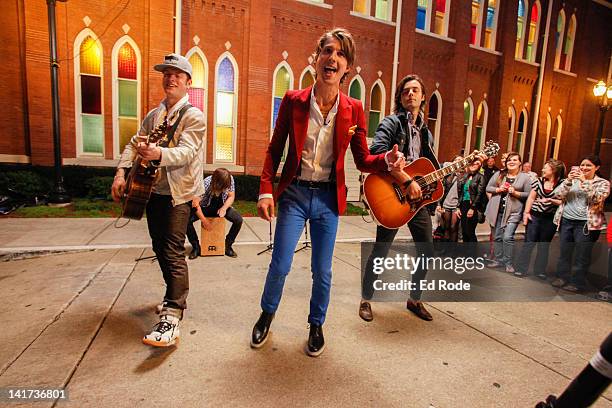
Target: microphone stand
[(270, 245), (307, 242)]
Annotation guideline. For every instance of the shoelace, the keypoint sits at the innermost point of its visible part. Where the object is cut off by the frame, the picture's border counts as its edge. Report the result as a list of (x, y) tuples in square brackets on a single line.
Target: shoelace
[(163, 326)]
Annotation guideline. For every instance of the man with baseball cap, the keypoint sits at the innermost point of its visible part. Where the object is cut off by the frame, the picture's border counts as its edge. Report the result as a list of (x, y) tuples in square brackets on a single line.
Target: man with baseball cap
[(178, 180)]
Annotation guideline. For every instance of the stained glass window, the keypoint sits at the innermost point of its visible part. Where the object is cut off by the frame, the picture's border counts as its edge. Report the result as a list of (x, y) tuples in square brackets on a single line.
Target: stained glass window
[(90, 95), (382, 9), (198, 81), (93, 133), (225, 111), (90, 55), (520, 130), (432, 116), (375, 110), (559, 38), (127, 94), (467, 119), (439, 17), (481, 117), (355, 90), (421, 14), (520, 26), (307, 80), (532, 38), (282, 82), (511, 120), (568, 49), (127, 62), (361, 6), (475, 21)]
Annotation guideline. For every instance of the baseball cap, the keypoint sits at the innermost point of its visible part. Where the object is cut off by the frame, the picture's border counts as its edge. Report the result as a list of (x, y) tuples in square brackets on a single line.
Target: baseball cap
[(174, 61)]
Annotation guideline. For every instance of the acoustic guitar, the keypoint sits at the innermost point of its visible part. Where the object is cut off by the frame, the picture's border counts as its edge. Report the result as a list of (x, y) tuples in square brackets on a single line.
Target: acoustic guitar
[(388, 200), (140, 180)]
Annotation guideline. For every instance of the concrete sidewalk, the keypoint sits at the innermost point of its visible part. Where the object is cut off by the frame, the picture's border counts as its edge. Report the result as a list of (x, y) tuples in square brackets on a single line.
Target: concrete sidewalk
[(18, 235), (75, 320)]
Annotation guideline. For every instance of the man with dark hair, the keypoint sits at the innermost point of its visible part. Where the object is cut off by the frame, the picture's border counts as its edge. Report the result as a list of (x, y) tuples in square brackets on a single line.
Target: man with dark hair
[(319, 123), (179, 180), (407, 129)]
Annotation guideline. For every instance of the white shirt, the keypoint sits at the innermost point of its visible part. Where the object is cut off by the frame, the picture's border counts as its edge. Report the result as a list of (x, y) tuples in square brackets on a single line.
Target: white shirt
[(318, 152)]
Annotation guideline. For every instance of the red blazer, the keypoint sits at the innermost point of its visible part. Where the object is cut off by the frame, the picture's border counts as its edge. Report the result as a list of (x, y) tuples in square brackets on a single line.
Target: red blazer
[(292, 123)]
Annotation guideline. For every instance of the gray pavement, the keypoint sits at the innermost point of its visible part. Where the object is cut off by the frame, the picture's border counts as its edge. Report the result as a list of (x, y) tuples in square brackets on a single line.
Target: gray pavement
[(76, 319)]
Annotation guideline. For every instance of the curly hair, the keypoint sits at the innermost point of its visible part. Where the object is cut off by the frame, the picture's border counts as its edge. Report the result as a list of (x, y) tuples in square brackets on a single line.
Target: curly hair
[(400, 87)]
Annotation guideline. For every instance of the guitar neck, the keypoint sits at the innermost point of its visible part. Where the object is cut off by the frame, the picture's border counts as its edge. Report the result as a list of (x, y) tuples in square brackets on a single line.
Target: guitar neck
[(451, 168)]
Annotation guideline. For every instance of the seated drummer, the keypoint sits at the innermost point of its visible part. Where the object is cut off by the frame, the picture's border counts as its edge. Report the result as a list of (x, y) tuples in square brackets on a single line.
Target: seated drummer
[(217, 200)]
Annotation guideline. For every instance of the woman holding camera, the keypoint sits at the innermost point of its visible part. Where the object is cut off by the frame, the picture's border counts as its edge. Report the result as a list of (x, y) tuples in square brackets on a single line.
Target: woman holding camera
[(580, 219)]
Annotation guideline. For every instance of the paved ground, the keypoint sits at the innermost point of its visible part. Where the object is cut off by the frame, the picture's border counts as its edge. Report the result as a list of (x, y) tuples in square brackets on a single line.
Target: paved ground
[(76, 319)]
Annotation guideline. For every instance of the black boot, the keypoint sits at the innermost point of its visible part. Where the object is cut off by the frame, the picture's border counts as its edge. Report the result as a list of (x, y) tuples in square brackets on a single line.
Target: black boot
[(229, 251), (195, 252), (316, 342), (261, 330)]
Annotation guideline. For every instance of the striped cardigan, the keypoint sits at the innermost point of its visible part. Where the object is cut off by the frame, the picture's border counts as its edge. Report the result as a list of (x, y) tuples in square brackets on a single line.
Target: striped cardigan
[(596, 190)]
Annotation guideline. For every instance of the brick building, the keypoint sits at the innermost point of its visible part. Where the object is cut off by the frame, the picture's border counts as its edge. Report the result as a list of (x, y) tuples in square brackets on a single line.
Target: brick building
[(517, 71)]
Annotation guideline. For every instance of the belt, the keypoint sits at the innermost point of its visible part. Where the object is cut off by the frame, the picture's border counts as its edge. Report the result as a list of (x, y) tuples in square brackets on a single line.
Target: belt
[(315, 185)]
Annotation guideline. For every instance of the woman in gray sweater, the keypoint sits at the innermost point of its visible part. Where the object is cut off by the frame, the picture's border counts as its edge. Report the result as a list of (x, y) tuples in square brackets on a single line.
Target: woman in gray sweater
[(509, 190)]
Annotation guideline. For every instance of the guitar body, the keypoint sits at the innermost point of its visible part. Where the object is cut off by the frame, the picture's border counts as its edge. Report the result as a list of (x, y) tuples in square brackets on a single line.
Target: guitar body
[(139, 185), (387, 199)]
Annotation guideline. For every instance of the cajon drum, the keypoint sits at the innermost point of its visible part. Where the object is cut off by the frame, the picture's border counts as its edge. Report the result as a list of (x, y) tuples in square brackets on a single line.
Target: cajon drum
[(213, 242)]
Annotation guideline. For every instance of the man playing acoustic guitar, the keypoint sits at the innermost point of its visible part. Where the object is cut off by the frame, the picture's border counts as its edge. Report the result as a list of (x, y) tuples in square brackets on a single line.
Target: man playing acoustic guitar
[(179, 179), (407, 129)]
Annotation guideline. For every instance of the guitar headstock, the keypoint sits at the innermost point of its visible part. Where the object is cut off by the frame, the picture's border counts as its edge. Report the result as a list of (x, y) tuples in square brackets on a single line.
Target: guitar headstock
[(491, 149), (159, 133)]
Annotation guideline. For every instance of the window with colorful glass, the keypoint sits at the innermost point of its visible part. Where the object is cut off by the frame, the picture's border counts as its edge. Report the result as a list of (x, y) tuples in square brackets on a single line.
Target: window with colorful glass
[(467, 121), (375, 115), (520, 30), (282, 83), (568, 47), (307, 79), (90, 81), (225, 106), (127, 94), (199, 80), (520, 132), (475, 23), (361, 7), (481, 124), (491, 25), (532, 38), (559, 39)]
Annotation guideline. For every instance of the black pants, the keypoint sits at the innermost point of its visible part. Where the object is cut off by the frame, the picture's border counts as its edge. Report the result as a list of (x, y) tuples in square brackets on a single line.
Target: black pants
[(468, 224), (575, 235), (231, 215), (420, 229), (538, 233), (167, 225)]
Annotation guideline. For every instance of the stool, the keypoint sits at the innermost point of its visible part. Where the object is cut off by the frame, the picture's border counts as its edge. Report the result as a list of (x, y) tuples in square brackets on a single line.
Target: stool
[(213, 242)]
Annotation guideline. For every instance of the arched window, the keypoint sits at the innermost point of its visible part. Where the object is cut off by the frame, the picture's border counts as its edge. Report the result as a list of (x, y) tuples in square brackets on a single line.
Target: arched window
[(88, 94), (548, 129), (377, 101), (519, 143), (282, 81), (475, 23), (307, 77), (511, 124), (126, 92), (491, 24), (568, 48), (534, 27), (520, 30), (198, 93), (482, 114), (434, 118), (559, 39), (226, 107), (555, 139), (468, 117), (357, 89)]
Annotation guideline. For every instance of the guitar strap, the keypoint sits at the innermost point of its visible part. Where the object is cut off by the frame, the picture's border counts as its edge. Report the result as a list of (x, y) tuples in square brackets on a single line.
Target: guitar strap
[(172, 129)]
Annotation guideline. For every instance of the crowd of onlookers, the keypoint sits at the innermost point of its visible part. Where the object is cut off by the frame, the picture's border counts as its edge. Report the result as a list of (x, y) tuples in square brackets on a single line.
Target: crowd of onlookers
[(570, 202)]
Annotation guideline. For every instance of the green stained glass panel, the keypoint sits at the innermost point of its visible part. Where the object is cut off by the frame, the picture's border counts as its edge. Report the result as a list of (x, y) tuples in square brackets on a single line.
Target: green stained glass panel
[(93, 133), (282, 82), (355, 91), (128, 91), (373, 123)]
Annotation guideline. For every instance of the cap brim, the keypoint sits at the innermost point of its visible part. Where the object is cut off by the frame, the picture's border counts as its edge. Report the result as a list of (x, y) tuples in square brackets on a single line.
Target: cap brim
[(162, 67)]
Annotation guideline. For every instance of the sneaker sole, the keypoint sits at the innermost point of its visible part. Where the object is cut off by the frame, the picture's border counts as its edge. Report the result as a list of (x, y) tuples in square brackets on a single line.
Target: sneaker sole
[(314, 354), (160, 343), (260, 345)]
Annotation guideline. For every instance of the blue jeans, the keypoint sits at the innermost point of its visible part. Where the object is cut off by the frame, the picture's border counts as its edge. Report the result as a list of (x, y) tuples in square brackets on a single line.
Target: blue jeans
[(296, 205), (503, 240)]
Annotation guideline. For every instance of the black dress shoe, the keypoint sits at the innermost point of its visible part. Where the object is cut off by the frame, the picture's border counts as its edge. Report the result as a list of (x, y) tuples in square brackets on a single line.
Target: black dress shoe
[(195, 252), (229, 251), (316, 342), (261, 330)]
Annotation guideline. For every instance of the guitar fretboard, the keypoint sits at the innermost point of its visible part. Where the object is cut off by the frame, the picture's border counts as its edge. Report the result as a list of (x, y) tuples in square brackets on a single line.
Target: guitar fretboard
[(445, 171)]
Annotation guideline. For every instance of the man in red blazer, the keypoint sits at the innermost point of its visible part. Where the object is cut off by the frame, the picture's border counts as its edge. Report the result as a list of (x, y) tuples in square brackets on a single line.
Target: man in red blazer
[(319, 123)]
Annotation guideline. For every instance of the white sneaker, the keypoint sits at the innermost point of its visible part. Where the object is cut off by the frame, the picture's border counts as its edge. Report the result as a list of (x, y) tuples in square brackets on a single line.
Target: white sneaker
[(165, 333)]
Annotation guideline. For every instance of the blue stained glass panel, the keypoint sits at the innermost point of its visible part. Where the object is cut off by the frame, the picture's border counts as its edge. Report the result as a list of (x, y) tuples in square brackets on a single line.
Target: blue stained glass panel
[(490, 16), (277, 103), (420, 18), (226, 76), (521, 8)]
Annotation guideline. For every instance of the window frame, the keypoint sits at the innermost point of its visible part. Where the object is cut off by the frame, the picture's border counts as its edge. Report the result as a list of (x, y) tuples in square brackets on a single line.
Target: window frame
[(234, 126)]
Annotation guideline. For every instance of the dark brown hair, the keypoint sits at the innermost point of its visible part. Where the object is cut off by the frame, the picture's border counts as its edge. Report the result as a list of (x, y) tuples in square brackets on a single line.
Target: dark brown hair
[(221, 181), (558, 168), (504, 172), (400, 87)]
